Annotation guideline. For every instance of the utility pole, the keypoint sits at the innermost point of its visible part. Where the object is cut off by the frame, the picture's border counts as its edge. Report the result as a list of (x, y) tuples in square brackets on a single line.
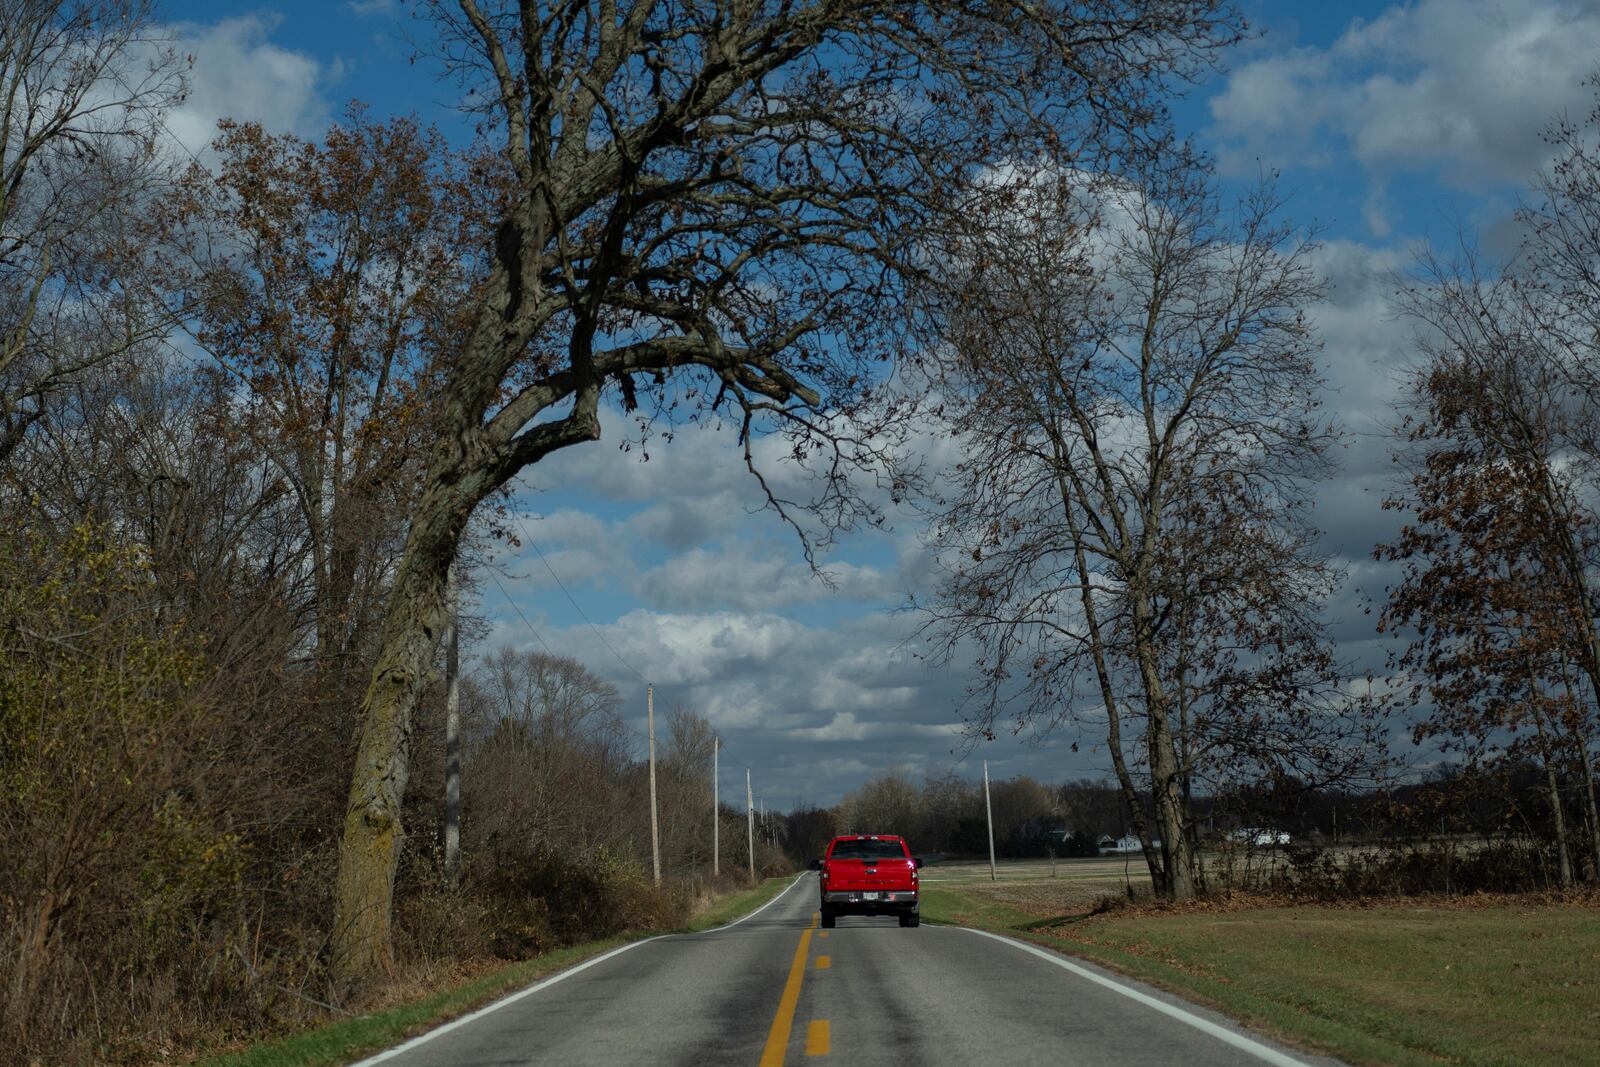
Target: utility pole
[(452, 734), (988, 817), (716, 811), (750, 823), (655, 826)]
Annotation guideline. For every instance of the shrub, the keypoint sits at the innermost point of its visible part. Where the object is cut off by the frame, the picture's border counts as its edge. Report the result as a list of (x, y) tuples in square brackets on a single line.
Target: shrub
[(1414, 869), (540, 898), (117, 863)]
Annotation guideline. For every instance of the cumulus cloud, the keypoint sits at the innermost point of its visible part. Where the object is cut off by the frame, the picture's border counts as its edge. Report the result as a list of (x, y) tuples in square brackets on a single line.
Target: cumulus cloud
[(1368, 351), (574, 545), (239, 73), (1458, 85), (844, 726), (736, 578)]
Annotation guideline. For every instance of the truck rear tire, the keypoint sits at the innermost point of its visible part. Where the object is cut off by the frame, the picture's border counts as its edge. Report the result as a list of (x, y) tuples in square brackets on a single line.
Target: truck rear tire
[(828, 918), (910, 918)]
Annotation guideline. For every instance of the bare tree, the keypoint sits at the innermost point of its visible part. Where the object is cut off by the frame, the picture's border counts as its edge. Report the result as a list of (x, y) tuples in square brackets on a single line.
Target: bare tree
[(83, 87), (712, 210), (1131, 371), (548, 759), (889, 804), (323, 278), (686, 793)]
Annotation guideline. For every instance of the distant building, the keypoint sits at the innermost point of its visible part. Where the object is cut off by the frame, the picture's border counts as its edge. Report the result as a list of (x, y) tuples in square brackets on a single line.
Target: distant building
[(1125, 843), (1258, 836)]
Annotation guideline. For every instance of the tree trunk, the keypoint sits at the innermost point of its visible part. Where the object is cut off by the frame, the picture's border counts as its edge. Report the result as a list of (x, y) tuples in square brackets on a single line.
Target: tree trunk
[(1591, 814), (452, 735), (1165, 780), (1586, 767), (417, 616), (1563, 852), (1577, 577), (33, 933), (1553, 785), (1186, 766), (1130, 794)]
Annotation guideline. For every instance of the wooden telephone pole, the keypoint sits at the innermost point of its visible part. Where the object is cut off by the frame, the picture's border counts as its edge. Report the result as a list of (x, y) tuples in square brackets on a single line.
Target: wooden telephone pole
[(988, 817), (750, 822), (655, 825), (716, 811)]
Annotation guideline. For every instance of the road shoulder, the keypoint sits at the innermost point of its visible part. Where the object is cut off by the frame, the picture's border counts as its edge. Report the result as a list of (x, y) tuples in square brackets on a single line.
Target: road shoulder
[(344, 1040), (944, 909)]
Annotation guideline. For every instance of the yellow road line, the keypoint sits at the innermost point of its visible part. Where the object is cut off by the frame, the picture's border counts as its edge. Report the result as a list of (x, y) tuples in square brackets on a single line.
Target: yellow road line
[(822, 933), (824, 962), (778, 1037), (817, 1037)]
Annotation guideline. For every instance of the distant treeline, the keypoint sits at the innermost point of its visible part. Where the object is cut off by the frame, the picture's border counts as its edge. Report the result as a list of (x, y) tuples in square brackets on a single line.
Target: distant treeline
[(1505, 809)]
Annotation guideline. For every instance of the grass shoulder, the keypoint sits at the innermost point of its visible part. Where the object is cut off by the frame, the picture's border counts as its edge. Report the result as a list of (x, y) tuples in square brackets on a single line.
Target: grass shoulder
[(348, 1039), (1479, 981)]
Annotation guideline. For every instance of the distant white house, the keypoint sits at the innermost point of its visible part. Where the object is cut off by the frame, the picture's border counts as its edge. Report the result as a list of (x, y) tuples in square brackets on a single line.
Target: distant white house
[(1255, 835), (1125, 843)]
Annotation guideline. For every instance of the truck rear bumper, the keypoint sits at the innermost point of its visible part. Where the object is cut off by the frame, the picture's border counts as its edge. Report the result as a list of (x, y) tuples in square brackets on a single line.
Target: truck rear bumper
[(871, 900)]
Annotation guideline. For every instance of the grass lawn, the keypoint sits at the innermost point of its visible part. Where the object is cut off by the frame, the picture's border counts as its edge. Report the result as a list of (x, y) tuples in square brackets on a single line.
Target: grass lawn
[(348, 1039), (1451, 982)]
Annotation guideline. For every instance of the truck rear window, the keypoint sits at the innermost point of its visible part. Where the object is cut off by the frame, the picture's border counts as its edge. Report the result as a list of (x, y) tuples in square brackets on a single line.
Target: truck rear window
[(868, 850)]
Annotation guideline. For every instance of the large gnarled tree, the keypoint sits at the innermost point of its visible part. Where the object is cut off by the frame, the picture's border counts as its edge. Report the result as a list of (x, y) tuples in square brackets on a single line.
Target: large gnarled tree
[(714, 208)]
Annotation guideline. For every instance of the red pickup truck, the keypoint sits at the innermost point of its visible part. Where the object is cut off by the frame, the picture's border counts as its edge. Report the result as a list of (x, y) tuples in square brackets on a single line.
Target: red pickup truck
[(868, 874)]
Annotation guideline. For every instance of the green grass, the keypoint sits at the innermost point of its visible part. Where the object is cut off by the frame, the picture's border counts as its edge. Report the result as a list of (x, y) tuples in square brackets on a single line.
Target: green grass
[(349, 1039), (1499, 984), (734, 905)]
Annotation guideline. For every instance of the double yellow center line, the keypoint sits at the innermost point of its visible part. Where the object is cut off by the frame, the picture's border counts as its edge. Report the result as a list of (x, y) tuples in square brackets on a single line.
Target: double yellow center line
[(817, 1037)]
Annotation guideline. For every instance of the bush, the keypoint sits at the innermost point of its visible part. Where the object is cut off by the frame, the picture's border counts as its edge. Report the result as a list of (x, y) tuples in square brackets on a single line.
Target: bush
[(120, 871), (542, 898), (1414, 869)]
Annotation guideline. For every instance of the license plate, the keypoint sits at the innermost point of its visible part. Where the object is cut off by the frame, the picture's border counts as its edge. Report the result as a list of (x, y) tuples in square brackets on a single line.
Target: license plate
[(869, 896)]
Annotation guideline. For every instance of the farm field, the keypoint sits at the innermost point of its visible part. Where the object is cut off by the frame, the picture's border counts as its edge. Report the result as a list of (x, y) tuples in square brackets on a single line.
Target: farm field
[(1029, 885), (1491, 980)]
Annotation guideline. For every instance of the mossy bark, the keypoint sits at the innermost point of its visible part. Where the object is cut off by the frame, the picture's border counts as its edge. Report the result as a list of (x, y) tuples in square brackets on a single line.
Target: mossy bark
[(418, 614)]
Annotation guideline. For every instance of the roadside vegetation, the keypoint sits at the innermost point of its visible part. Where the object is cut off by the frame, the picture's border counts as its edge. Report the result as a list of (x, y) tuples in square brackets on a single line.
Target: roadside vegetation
[(341, 1041)]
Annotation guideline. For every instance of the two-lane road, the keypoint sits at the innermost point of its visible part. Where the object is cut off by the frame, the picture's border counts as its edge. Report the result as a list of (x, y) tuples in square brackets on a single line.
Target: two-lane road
[(774, 989)]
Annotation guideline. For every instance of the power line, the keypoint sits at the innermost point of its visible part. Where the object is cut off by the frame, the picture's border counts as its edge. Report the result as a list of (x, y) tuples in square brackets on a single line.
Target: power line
[(573, 602), (518, 610)]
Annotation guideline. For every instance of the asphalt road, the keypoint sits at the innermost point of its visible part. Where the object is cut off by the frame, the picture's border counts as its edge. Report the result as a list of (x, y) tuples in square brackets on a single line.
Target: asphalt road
[(773, 989)]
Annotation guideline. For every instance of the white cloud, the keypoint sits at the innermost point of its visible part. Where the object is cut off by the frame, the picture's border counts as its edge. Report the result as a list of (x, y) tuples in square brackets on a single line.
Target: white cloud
[(689, 649), (1459, 85), (575, 546), (735, 578), (843, 768), (845, 727), (239, 73)]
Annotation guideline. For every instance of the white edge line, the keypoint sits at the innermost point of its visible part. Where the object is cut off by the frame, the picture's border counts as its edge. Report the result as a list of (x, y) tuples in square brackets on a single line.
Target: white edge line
[(544, 983), (758, 911), (1221, 1033)]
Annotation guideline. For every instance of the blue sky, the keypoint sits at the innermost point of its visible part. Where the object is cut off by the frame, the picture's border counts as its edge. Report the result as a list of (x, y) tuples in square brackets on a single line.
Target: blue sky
[(1391, 124)]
